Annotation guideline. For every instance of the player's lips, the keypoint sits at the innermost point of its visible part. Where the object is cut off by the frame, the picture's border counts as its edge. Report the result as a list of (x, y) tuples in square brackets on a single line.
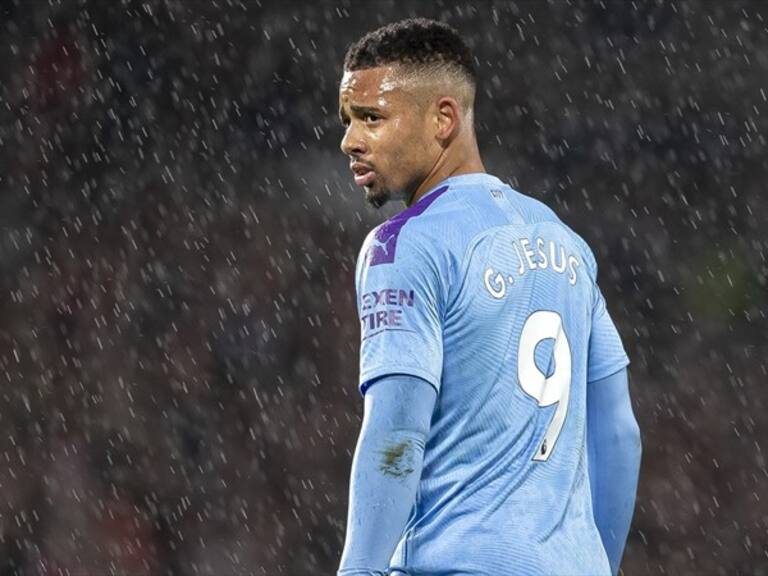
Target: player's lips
[(364, 174)]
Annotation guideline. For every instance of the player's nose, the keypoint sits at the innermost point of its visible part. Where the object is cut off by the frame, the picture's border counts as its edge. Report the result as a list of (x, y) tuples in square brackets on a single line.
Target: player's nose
[(352, 144)]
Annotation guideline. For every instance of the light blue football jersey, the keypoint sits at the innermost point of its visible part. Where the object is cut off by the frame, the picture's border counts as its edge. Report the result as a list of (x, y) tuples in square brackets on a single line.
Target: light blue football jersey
[(485, 294)]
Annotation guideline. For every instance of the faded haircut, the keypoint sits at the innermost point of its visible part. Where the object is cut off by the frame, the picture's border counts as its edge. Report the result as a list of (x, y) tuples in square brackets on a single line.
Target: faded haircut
[(423, 47)]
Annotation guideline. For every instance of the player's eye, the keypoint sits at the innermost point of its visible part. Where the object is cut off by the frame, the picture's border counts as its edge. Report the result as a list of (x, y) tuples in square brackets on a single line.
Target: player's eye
[(369, 117)]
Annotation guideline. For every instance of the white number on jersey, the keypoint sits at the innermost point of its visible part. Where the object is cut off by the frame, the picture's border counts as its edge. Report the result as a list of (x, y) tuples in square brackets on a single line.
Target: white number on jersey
[(540, 326)]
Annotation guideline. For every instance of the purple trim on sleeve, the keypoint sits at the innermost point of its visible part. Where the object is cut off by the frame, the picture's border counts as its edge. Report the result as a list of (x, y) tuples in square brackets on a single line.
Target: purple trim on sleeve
[(384, 242)]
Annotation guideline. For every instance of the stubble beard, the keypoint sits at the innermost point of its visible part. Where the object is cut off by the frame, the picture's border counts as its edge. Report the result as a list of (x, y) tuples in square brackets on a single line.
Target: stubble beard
[(377, 197), (380, 194)]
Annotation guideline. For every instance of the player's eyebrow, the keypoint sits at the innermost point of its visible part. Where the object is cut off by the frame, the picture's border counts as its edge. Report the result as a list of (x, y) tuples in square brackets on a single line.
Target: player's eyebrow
[(362, 110), (358, 111)]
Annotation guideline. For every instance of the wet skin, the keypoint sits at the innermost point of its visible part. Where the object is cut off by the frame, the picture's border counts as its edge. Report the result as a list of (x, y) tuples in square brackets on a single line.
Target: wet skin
[(388, 131)]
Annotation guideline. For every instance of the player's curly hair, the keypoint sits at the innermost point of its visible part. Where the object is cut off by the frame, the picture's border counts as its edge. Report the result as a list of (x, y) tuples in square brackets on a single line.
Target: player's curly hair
[(417, 41)]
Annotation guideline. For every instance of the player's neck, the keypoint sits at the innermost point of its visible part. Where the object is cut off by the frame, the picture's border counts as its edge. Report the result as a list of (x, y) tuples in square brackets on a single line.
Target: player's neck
[(452, 164)]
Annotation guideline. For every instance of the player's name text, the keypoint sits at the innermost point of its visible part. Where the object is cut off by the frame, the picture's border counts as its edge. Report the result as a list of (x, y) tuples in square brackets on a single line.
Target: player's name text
[(536, 254)]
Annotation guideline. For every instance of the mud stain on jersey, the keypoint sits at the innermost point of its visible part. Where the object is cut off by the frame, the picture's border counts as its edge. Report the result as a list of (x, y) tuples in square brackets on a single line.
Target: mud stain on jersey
[(397, 459)]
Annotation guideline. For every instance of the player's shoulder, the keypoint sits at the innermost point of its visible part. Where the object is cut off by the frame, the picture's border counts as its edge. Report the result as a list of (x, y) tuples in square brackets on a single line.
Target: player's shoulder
[(534, 211), (409, 234), (445, 223)]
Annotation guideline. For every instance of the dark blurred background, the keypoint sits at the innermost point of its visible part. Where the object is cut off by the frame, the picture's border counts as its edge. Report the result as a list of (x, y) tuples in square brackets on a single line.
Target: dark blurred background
[(178, 233)]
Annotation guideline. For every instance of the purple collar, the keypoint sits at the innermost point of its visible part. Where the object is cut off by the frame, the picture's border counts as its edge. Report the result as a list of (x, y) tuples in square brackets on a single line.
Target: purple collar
[(384, 243)]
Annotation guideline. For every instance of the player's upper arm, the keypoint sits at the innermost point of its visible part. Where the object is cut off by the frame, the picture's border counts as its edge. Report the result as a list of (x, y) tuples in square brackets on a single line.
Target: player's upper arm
[(400, 301), (606, 352)]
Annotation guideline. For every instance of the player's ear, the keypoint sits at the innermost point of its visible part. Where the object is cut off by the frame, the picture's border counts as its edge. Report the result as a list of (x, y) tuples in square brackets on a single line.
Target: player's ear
[(448, 119)]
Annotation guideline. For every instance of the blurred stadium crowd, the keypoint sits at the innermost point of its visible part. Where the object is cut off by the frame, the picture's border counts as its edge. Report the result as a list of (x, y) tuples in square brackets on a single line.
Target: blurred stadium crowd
[(178, 233)]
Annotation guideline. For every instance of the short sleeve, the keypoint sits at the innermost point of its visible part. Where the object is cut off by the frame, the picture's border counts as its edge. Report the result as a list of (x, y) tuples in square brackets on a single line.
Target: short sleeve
[(400, 311), (606, 352)]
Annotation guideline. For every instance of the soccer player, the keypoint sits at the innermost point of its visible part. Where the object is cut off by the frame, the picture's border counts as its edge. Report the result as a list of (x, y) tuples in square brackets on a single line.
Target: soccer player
[(498, 436)]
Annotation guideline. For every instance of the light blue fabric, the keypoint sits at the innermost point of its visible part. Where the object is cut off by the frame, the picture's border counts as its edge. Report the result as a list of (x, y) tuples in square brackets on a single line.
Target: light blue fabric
[(485, 294), (385, 471), (613, 438)]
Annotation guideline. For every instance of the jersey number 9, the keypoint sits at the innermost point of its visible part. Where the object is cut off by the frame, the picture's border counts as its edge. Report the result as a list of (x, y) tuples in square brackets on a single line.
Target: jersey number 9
[(555, 389)]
